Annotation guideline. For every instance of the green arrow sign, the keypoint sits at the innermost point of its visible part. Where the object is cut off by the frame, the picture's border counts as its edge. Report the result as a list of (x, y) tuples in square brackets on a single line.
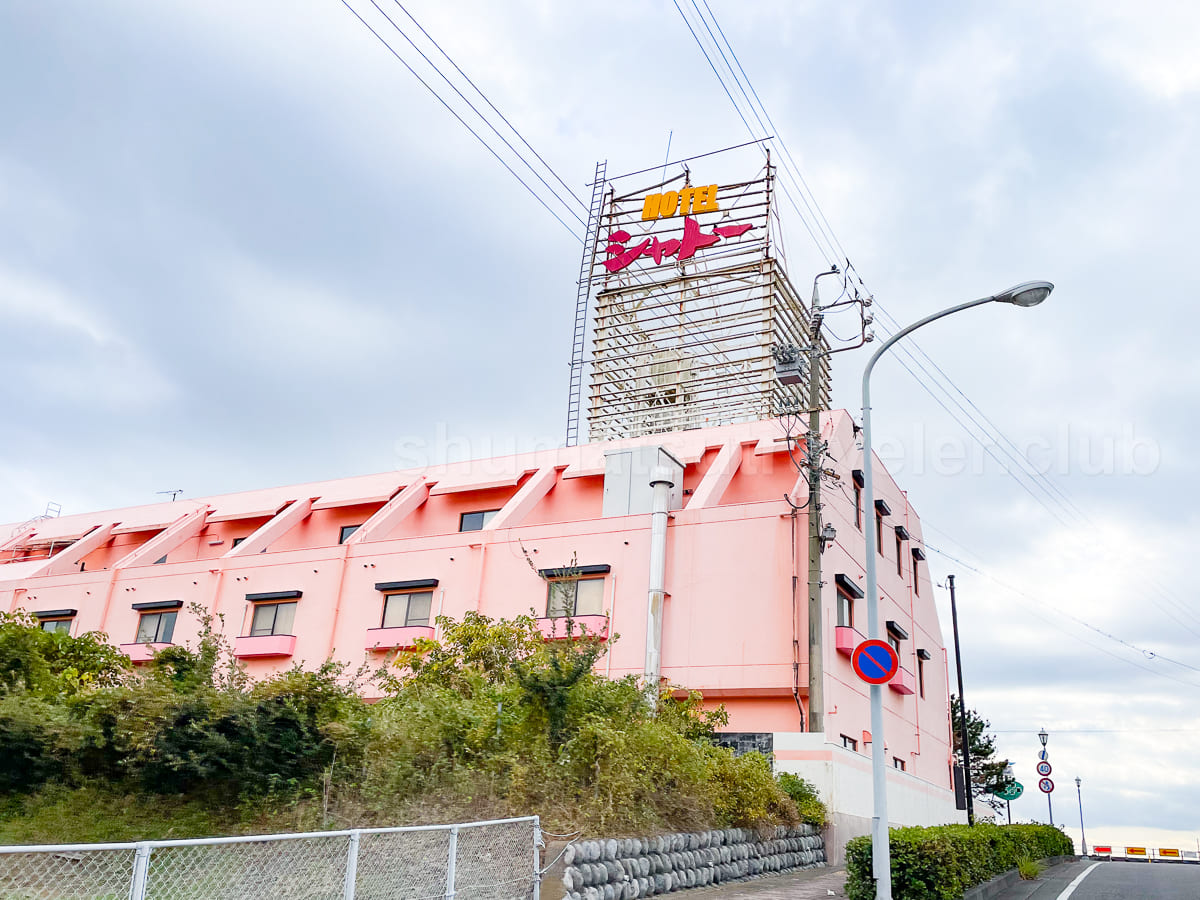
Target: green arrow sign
[(1012, 792)]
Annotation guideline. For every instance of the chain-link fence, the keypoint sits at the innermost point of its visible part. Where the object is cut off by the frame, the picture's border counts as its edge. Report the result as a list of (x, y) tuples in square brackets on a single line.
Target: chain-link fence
[(495, 860)]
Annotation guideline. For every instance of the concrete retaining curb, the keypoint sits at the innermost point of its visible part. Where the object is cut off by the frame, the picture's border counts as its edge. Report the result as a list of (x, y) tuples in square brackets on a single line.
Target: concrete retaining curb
[(632, 868), (1001, 883)]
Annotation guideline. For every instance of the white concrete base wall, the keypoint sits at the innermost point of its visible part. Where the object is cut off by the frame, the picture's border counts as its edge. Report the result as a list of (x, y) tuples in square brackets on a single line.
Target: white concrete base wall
[(843, 778)]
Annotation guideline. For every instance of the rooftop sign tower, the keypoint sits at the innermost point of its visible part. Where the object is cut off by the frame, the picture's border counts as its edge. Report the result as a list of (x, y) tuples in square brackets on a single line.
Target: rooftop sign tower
[(692, 301)]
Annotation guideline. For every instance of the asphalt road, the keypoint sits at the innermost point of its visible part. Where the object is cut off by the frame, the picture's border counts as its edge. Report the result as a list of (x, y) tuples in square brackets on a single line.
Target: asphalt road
[(1112, 881)]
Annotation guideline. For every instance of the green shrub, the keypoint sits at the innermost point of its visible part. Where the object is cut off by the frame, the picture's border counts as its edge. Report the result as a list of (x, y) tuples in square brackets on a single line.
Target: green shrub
[(942, 862), (1029, 868), (808, 802)]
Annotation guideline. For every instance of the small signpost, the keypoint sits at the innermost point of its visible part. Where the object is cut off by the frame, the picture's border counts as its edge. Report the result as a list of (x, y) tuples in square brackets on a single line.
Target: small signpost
[(1043, 768), (1045, 785), (1044, 755), (875, 662)]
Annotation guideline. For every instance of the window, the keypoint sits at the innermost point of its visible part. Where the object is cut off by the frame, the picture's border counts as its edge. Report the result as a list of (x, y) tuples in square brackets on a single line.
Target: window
[(917, 554), (272, 618), (404, 610), (237, 541), (857, 506), (347, 530), (845, 609), (896, 634), (879, 532), (162, 559), (920, 677), (899, 554), (895, 642), (898, 763), (575, 597), (475, 521), (156, 628), (57, 626), (849, 743)]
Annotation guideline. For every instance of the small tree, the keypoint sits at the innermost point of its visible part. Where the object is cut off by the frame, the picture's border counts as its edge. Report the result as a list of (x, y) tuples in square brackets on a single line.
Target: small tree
[(987, 772)]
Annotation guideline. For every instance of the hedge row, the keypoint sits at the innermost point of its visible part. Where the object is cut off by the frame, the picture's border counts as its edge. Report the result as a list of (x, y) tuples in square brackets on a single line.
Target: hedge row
[(943, 862)]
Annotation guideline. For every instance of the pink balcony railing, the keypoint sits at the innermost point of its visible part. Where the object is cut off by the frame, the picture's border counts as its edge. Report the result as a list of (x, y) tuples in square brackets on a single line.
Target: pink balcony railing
[(402, 638), (556, 629), (845, 639), (264, 645), (141, 653), (903, 682)]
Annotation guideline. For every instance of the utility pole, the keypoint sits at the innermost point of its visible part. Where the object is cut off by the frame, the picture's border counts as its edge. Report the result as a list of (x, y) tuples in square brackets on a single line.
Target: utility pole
[(964, 737), (815, 452)]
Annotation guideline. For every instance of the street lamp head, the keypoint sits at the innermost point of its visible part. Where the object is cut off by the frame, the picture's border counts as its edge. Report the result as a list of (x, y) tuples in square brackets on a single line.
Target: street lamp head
[(1043, 737), (1078, 781), (1030, 293)]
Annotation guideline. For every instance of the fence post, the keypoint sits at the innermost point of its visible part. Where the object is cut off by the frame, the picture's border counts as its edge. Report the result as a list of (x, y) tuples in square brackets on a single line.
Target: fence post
[(351, 866), (450, 864), (538, 843), (141, 871)]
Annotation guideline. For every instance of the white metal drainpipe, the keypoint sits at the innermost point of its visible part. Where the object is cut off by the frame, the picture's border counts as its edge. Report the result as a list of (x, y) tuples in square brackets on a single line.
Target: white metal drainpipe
[(660, 481)]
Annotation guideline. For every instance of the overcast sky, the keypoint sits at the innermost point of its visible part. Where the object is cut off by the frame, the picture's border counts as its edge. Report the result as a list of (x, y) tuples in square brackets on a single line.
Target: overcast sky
[(241, 246)]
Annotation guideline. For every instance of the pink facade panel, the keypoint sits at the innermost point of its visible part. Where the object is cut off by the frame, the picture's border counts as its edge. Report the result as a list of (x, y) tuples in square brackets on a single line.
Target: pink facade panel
[(140, 653), (735, 623), (266, 645)]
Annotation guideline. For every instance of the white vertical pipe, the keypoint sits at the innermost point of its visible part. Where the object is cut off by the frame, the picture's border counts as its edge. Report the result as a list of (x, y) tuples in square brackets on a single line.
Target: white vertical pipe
[(660, 481), (451, 863), (141, 872)]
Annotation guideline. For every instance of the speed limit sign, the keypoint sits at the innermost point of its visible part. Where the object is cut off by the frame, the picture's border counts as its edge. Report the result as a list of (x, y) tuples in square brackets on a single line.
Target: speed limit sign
[(1045, 785), (1043, 768)]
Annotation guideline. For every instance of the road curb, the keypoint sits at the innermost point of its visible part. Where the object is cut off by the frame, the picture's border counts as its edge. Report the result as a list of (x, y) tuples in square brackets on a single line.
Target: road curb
[(1003, 882)]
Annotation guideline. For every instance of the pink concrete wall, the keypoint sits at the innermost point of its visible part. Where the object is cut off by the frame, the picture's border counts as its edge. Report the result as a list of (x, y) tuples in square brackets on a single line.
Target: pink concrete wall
[(730, 617)]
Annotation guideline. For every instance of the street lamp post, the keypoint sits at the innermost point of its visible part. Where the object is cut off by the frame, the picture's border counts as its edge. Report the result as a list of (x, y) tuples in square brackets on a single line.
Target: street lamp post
[(1079, 793), (963, 737), (1028, 294), (1043, 737)]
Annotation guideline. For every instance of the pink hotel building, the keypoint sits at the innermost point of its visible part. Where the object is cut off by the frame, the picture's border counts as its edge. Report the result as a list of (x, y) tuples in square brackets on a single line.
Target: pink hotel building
[(357, 567)]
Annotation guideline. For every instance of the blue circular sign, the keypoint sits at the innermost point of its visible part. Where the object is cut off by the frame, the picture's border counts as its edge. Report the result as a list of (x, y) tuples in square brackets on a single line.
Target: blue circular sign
[(875, 662)]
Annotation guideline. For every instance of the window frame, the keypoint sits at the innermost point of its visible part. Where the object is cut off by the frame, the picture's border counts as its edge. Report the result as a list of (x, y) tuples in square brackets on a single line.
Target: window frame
[(61, 620), (344, 536), (485, 516), (858, 510), (898, 763), (899, 555), (849, 743), (390, 596), (920, 677), (845, 600), (275, 607), (164, 629), (574, 613), (879, 532)]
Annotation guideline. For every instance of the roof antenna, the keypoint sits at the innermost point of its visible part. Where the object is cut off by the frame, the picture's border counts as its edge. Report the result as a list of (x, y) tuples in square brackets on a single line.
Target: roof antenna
[(173, 494)]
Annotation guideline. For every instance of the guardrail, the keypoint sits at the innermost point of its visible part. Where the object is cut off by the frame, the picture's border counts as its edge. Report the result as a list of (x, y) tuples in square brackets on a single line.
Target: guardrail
[(493, 860)]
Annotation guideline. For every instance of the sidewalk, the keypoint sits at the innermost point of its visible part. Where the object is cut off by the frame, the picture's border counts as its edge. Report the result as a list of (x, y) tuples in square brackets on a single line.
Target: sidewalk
[(809, 884)]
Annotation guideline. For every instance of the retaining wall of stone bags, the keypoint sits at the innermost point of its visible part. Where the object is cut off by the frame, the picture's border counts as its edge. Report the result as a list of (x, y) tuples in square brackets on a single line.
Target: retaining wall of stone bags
[(629, 868)]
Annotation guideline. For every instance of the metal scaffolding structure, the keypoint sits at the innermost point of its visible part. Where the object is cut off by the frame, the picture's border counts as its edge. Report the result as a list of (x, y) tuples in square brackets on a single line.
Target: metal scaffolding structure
[(686, 342)]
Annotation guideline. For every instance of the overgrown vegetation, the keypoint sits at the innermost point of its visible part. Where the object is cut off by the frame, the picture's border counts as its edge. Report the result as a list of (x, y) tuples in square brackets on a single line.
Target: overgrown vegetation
[(491, 720), (942, 862)]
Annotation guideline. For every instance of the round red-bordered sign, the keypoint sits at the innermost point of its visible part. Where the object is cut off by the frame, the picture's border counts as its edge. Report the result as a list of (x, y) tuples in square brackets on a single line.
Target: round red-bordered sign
[(875, 662), (1045, 785), (1043, 768)]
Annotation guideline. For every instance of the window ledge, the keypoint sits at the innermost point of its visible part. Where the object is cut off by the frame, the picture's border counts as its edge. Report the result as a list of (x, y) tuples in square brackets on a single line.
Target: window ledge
[(555, 629), (400, 638), (903, 682), (845, 639), (264, 645), (140, 653)]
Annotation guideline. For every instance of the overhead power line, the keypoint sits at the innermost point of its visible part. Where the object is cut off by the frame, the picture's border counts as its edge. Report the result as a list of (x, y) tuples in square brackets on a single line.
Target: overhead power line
[(911, 356), (541, 200)]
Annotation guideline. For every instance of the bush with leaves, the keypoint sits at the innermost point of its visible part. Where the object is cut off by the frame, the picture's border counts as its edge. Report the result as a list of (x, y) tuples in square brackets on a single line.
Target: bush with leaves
[(942, 862), (808, 801)]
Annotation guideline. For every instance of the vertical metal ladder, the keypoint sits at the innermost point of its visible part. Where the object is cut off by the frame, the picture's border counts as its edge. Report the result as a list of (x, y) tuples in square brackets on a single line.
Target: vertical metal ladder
[(575, 400)]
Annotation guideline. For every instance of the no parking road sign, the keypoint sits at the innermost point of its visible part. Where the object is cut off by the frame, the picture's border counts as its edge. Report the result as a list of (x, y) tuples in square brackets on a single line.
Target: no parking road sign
[(875, 662), (1045, 785), (1043, 768)]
